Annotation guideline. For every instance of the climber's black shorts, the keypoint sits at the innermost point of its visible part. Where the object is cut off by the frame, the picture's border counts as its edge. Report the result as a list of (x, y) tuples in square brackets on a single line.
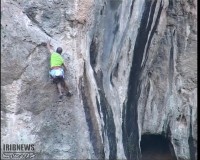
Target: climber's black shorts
[(58, 79)]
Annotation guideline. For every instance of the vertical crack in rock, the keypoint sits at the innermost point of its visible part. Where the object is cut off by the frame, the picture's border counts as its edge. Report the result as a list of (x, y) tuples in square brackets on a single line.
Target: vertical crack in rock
[(105, 106), (115, 72), (111, 26), (90, 118), (130, 125), (98, 106), (153, 29), (131, 10), (171, 64), (191, 140), (111, 79), (93, 53), (170, 4), (109, 127), (168, 134), (146, 99)]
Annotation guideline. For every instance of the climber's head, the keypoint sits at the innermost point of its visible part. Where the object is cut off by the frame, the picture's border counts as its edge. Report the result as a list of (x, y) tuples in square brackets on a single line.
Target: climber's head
[(59, 50)]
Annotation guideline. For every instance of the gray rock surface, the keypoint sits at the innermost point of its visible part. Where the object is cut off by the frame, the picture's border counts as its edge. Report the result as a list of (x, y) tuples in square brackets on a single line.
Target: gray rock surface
[(132, 67)]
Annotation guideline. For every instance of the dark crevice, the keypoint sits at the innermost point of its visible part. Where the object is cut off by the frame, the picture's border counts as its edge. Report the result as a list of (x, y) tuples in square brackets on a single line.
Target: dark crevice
[(116, 29), (98, 106), (124, 135), (171, 66), (109, 126), (31, 13), (191, 140), (156, 147), (93, 53), (90, 118), (101, 11), (116, 17), (131, 10), (170, 4), (145, 29), (115, 72), (153, 31), (129, 45), (182, 119), (168, 134), (111, 81), (146, 99), (130, 124), (129, 48), (148, 89)]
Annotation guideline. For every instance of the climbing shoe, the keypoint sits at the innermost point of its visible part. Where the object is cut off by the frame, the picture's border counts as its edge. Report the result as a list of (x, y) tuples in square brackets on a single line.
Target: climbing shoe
[(69, 94), (60, 96)]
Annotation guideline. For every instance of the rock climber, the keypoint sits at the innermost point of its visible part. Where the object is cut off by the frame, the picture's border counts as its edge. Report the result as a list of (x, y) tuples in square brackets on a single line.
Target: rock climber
[(57, 70)]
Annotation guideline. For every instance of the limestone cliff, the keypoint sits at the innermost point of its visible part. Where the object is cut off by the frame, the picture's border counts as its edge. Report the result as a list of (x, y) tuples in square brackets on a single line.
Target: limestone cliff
[(132, 67)]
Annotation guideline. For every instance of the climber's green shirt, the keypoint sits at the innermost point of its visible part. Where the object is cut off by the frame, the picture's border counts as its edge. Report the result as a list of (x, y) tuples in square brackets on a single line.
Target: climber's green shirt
[(56, 59)]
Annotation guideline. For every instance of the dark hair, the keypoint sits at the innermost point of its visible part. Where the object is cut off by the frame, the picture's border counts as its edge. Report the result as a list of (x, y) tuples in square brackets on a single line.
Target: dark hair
[(59, 50)]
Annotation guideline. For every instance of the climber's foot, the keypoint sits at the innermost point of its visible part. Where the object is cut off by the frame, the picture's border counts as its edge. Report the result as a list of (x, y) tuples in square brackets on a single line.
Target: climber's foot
[(60, 96), (69, 94)]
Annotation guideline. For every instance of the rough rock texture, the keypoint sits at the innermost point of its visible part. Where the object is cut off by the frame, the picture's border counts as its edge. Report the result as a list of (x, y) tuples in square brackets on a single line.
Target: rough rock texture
[(132, 66)]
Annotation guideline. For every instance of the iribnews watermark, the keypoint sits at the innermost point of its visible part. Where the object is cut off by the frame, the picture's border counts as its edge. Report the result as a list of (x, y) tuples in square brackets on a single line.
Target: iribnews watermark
[(17, 151)]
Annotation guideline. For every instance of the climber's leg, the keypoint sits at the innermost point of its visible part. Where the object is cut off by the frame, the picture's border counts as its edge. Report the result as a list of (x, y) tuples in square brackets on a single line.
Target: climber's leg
[(65, 85), (66, 88), (59, 89)]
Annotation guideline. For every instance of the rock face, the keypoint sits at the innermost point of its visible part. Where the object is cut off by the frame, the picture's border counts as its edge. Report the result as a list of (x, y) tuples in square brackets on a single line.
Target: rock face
[(132, 67)]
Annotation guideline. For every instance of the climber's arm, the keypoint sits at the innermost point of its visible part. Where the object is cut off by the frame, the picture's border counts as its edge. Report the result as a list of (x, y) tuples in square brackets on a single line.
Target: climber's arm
[(65, 68), (50, 47)]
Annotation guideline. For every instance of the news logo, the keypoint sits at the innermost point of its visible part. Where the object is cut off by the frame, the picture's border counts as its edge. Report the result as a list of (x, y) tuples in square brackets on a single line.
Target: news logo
[(17, 151)]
